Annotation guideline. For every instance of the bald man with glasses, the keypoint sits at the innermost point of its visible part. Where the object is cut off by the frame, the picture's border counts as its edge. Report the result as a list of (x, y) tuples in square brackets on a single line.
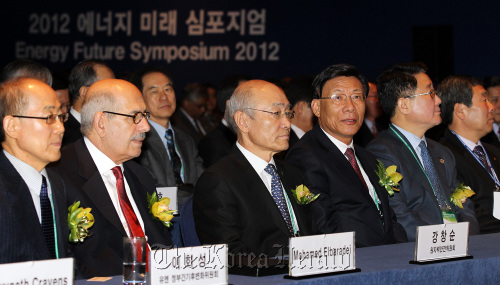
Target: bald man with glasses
[(245, 198)]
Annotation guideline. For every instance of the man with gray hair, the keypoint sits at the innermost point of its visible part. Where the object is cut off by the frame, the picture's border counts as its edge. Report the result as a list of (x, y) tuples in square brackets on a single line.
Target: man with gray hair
[(100, 174), (245, 198), (81, 77), (25, 68)]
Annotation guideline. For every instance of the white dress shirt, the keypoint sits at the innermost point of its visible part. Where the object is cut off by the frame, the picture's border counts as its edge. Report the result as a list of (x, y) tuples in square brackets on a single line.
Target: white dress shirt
[(104, 165), (298, 131), (161, 132), (75, 114)]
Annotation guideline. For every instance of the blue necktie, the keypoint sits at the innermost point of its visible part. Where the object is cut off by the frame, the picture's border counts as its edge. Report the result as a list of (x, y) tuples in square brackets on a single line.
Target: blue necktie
[(479, 152), (47, 219), (174, 158), (279, 198), (432, 174)]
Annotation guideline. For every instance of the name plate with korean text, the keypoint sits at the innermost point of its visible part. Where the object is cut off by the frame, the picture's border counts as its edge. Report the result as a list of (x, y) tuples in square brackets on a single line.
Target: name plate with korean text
[(205, 264), (321, 254), (171, 193), (52, 271), (444, 241)]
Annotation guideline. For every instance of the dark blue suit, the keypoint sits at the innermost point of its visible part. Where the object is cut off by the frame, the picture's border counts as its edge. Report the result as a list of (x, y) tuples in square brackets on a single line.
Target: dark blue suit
[(20, 230), (415, 204)]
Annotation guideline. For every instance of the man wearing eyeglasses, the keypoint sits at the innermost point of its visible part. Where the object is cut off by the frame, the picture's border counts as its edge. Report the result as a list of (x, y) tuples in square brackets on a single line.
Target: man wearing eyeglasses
[(341, 172), (99, 173), (33, 211), (245, 198), (407, 95)]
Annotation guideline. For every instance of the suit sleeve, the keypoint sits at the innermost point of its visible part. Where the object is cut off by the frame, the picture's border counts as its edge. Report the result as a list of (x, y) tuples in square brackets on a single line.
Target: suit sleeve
[(216, 213)]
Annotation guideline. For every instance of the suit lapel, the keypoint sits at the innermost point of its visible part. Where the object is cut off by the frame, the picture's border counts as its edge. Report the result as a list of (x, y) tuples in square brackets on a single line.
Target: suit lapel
[(157, 147), (60, 210), (94, 186)]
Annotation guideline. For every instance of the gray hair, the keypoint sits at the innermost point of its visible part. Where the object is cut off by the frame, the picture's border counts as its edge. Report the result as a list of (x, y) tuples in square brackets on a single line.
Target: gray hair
[(25, 68), (241, 100), (102, 101), (13, 101)]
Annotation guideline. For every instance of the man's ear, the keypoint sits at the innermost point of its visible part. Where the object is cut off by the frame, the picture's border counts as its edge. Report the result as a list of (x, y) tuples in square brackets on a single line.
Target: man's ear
[(404, 105), (83, 91), (99, 124), (241, 118), (10, 126), (460, 110), (315, 107)]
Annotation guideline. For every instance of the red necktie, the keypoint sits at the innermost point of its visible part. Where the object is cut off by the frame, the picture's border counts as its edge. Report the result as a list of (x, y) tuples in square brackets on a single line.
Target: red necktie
[(132, 221), (352, 159)]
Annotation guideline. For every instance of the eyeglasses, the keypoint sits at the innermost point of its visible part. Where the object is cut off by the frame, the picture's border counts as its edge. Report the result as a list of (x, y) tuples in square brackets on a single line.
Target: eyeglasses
[(278, 115), (137, 116), (50, 119), (432, 93), (340, 99)]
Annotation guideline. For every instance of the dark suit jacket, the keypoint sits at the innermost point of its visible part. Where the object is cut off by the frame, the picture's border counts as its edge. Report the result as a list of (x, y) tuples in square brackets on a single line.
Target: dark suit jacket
[(471, 173), (344, 203), (155, 158), (71, 130), (232, 205), (216, 144), (101, 253), (21, 233), (363, 136), (492, 139), (415, 204), (182, 122)]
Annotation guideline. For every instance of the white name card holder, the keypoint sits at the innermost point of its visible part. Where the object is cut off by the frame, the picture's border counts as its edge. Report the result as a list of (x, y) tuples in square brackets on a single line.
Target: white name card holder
[(441, 243), (496, 204), (171, 193), (51, 271), (322, 255), (205, 264)]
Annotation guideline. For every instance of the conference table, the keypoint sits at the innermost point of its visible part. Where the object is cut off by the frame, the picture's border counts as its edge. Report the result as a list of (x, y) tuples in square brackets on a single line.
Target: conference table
[(389, 264)]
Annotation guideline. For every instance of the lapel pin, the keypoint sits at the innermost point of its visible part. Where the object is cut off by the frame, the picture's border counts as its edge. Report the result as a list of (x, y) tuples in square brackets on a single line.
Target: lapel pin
[(441, 160)]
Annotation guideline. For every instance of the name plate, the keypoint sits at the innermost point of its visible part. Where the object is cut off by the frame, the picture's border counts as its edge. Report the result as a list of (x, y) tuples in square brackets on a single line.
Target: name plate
[(496, 204), (189, 265), (442, 241), (321, 254), (52, 271), (171, 193)]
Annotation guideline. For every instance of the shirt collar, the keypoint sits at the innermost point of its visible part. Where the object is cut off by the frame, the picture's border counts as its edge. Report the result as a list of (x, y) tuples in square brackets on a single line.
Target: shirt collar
[(257, 163), (298, 131), (103, 162), (161, 129), (471, 145), (75, 114), (28, 173), (413, 139), (340, 145)]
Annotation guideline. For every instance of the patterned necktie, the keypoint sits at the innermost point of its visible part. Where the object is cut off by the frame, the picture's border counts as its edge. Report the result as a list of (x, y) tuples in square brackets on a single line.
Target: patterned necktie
[(374, 130), (478, 150), (432, 174), (47, 219), (279, 198), (352, 159), (175, 160), (132, 221)]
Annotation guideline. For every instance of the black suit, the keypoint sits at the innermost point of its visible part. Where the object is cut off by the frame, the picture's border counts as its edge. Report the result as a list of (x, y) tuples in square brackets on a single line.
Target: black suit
[(21, 233), (492, 139), (182, 122), (232, 205), (344, 203), (71, 130), (472, 173), (216, 144), (101, 253)]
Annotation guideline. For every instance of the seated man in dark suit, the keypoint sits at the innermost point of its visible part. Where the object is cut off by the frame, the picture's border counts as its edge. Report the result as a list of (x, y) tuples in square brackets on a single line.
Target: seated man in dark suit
[(428, 168), (83, 75), (245, 199), (25, 68), (192, 107), (33, 211), (99, 173), (373, 122), (344, 174), (492, 86), (467, 112)]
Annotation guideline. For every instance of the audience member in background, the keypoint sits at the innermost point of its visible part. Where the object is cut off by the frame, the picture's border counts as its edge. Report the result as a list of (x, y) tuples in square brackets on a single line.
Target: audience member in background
[(245, 199), (492, 85), (372, 123), (428, 168), (299, 92), (60, 85), (219, 142), (469, 116), (33, 210), (98, 172), (81, 77), (168, 153), (192, 107), (25, 68), (343, 173), (212, 116)]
